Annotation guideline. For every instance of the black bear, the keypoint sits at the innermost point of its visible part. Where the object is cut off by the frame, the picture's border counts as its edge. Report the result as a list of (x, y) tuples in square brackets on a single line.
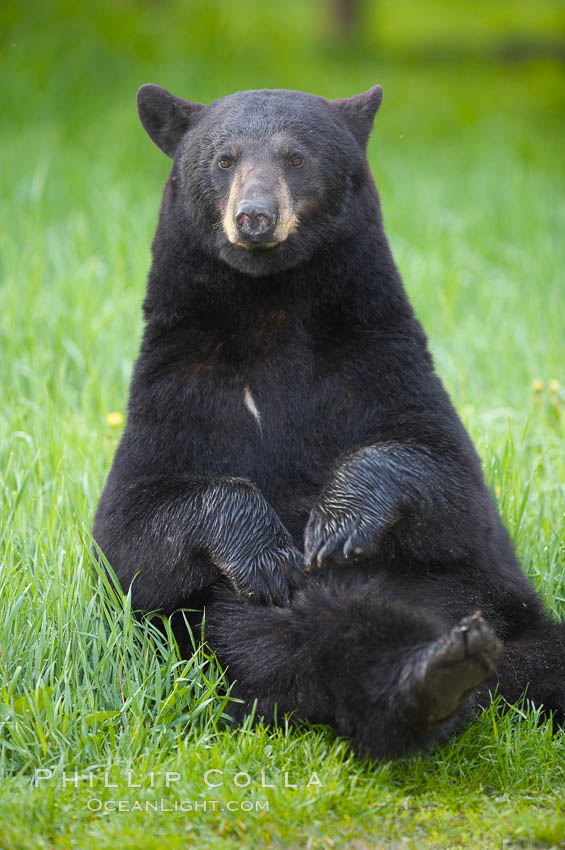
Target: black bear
[(291, 462)]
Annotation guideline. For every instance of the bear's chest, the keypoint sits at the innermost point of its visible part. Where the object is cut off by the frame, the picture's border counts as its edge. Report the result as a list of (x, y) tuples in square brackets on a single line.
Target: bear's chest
[(278, 412), (262, 395), (268, 404)]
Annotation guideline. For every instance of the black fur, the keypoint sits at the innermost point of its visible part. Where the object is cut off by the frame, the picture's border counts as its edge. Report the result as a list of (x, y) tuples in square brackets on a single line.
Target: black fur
[(354, 454)]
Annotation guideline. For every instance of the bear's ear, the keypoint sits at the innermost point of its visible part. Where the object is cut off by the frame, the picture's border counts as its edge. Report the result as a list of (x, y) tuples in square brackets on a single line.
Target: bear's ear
[(165, 117), (359, 111)]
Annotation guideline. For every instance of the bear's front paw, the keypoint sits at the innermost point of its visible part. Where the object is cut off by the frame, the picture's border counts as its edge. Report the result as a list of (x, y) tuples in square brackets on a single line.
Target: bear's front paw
[(353, 512), (339, 533), (267, 577), (249, 544)]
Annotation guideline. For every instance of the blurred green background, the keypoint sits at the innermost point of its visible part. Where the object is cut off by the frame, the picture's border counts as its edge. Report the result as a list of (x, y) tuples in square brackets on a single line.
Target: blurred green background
[(469, 156)]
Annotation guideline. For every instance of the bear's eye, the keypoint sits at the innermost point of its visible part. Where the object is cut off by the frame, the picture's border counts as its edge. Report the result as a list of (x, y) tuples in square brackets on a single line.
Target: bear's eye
[(296, 161), (224, 163)]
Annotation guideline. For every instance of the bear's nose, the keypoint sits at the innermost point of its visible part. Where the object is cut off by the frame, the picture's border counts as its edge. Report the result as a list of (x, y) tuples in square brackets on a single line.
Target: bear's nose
[(255, 221)]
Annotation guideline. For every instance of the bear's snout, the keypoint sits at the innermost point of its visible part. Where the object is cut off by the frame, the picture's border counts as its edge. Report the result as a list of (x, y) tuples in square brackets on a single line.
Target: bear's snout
[(259, 210), (255, 221)]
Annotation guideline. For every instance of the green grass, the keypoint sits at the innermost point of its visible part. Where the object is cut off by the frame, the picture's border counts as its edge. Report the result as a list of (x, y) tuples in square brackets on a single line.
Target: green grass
[(468, 157)]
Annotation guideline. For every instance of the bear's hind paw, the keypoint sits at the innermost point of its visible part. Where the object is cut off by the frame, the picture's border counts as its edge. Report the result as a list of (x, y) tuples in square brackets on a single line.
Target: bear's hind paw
[(451, 667)]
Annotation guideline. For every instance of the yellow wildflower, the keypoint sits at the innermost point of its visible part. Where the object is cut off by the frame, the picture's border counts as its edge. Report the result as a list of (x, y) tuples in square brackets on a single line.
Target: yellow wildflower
[(115, 419)]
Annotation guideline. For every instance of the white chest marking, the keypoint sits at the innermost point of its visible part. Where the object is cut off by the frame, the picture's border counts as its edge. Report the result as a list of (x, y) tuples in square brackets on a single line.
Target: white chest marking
[(251, 406)]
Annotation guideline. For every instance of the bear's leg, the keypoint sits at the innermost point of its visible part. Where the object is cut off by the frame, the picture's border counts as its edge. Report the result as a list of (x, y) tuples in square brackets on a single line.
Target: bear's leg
[(534, 664), (394, 679)]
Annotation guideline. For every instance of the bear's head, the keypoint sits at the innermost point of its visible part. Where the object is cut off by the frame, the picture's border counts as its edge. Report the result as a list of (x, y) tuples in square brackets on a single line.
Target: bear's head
[(267, 177)]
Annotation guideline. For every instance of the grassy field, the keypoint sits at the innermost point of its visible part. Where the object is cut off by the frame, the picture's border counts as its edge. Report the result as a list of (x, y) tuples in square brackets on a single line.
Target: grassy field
[(468, 156)]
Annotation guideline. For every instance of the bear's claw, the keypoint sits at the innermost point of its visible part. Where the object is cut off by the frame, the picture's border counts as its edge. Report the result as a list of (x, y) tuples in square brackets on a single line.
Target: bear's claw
[(270, 577)]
